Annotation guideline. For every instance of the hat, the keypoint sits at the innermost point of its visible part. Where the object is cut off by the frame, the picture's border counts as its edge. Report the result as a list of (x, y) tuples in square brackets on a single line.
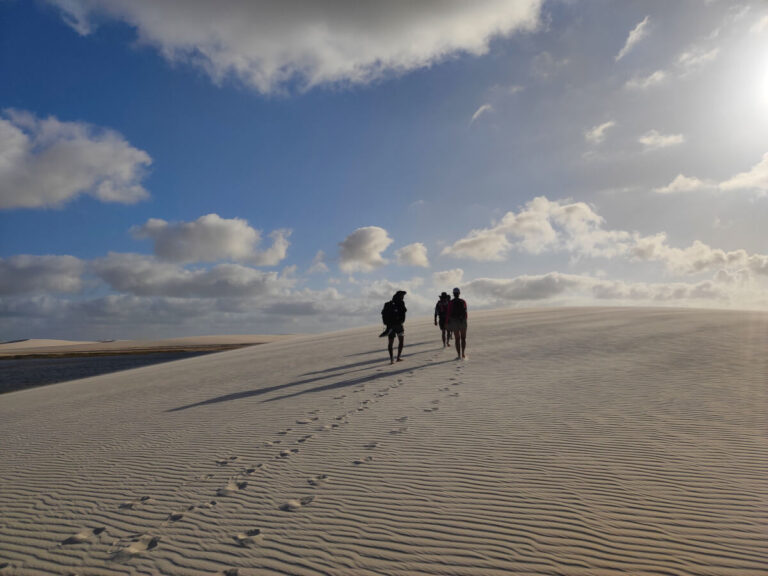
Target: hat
[(399, 294), (444, 295), (456, 291)]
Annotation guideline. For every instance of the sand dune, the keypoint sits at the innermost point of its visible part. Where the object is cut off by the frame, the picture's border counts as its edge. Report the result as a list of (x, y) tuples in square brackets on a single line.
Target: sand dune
[(572, 442)]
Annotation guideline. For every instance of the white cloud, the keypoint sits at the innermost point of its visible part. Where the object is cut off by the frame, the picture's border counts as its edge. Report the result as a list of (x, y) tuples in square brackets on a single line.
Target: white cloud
[(696, 57), (639, 32), (146, 276), (484, 109), (361, 250), (596, 135), (448, 277), (575, 228), (211, 238), (655, 140), (522, 287), (318, 265), (754, 179), (26, 274), (646, 82), (483, 245), (46, 162), (270, 45), (683, 184), (413, 255)]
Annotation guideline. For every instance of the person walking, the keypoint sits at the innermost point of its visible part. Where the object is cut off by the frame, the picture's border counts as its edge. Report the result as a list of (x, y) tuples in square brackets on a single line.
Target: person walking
[(393, 315), (456, 322), (441, 309)]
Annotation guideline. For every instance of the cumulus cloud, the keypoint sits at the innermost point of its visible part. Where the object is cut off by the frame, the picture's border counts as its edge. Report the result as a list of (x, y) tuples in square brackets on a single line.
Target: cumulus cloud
[(46, 162), (683, 184), (448, 277), (523, 287), (146, 276), (270, 45), (318, 265), (646, 82), (754, 179), (484, 109), (540, 226), (27, 274), (575, 228), (211, 238), (596, 134), (655, 140), (361, 250), (637, 33), (413, 255)]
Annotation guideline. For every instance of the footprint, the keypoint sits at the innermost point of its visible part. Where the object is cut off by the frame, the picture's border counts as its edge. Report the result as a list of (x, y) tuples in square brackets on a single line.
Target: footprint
[(398, 430), (371, 445), (340, 397), (248, 538), (143, 544), (303, 421), (226, 461), (134, 503), (453, 395), (231, 488), (284, 432), (305, 438), (294, 505), (363, 461), (401, 419), (231, 572), (83, 535), (434, 409), (286, 453), (435, 402), (318, 480)]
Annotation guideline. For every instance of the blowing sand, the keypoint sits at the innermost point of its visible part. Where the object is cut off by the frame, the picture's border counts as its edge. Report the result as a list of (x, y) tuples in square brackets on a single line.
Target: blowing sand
[(572, 442)]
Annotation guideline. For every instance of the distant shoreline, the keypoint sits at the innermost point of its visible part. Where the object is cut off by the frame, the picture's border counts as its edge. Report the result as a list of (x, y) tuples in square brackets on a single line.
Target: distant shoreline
[(204, 348)]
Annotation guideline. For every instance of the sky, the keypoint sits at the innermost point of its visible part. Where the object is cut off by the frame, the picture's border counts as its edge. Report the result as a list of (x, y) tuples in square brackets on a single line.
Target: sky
[(187, 167)]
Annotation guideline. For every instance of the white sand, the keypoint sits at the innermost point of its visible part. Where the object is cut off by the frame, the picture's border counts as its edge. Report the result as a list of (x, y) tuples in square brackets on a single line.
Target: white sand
[(41, 346), (572, 442)]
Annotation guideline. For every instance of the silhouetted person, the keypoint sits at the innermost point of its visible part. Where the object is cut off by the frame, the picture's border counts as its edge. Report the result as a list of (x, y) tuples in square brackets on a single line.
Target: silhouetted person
[(393, 315), (456, 322), (441, 310)]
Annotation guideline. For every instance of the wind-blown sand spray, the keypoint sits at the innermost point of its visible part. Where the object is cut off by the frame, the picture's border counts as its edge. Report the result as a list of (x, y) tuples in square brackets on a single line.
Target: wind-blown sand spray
[(574, 441)]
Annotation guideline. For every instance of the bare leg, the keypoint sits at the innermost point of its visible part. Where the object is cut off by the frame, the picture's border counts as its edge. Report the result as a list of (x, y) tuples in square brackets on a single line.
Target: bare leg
[(391, 355), (463, 341), (400, 342), (457, 340), (443, 334)]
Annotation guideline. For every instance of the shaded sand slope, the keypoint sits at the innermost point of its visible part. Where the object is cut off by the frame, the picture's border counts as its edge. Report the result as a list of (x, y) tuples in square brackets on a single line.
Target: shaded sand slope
[(572, 442)]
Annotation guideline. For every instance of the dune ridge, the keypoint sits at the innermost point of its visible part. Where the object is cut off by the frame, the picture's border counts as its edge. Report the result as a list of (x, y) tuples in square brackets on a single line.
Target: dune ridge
[(572, 442)]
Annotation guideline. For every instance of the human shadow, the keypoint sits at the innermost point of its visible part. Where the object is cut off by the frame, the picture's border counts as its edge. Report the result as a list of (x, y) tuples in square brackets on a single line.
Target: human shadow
[(250, 393), (385, 347), (356, 381)]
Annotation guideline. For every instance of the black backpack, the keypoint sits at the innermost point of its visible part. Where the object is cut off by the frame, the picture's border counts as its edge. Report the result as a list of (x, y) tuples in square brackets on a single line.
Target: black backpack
[(388, 313), (459, 309)]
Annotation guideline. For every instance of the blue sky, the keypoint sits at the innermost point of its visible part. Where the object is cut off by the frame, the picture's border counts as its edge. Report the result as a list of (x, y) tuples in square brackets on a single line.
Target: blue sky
[(177, 168)]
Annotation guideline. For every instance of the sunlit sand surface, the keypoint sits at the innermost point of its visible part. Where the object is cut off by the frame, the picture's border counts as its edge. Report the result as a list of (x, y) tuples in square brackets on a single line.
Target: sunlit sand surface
[(572, 442)]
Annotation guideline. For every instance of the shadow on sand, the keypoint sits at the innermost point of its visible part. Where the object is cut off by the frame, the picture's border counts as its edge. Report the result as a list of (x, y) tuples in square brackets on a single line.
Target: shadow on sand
[(330, 373)]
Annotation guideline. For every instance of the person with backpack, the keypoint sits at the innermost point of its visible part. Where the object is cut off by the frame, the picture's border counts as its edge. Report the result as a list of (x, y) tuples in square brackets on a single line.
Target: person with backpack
[(441, 309), (393, 316), (456, 322)]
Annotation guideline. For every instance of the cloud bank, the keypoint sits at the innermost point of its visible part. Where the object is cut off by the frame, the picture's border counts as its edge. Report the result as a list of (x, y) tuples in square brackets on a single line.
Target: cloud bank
[(276, 45)]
